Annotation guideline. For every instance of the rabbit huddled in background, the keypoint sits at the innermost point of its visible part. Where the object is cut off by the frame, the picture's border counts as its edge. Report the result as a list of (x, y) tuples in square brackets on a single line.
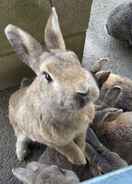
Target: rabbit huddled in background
[(114, 128), (119, 24), (115, 90), (58, 106), (114, 85), (36, 173)]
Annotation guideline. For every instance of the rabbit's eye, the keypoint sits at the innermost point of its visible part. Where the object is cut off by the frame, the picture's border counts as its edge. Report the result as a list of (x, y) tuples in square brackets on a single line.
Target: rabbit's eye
[(47, 76)]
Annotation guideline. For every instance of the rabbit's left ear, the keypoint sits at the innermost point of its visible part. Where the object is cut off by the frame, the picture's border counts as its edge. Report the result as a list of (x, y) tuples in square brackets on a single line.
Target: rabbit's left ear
[(53, 35), (27, 48), (25, 175)]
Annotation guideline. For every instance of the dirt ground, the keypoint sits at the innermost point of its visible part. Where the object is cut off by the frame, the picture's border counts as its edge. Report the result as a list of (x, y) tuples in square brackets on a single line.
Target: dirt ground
[(8, 158)]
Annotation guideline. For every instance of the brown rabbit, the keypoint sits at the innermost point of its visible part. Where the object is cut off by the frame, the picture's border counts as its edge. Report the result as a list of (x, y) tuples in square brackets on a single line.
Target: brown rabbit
[(57, 108), (123, 84), (36, 173), (112, 84), (114, 128)]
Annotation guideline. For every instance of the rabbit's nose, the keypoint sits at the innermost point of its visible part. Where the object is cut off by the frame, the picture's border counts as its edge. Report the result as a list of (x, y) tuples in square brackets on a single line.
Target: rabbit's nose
[(82, 95)]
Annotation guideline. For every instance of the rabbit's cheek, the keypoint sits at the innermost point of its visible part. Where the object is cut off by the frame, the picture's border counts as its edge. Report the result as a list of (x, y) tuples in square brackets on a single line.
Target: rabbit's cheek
[(94, 94)]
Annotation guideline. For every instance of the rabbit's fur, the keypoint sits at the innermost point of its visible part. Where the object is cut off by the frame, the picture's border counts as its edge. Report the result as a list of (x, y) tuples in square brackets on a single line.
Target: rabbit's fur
[(53, 167), (101, 160), (115, 90), (36, 173), (114, 85), (57, 108), (119, 24), (114, 128)]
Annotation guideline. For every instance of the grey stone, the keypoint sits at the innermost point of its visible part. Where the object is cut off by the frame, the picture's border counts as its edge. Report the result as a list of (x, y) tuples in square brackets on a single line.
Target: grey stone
[(99, 44)]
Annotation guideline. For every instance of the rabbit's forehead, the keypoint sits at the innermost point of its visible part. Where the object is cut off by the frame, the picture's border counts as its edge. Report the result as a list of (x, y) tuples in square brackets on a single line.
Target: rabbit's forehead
[(67, 72), (58, 59), (64, 67)]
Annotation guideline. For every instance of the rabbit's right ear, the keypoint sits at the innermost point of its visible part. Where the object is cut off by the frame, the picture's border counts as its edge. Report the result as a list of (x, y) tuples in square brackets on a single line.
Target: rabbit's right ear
[(53, 35), (25, 175), (113, 95), (27, 47)]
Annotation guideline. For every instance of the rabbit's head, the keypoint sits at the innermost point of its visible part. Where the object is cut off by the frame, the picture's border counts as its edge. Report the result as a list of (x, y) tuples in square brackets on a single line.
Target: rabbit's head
[(37, 173), (59, 74)]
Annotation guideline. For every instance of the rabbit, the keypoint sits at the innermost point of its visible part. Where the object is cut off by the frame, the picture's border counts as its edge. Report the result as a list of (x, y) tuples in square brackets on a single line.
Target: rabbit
[(110, 85), (101, 160), (114, 129), (100, 75), (117, 83), (119, 24), (36, 173), (100, 157), (58, 106)]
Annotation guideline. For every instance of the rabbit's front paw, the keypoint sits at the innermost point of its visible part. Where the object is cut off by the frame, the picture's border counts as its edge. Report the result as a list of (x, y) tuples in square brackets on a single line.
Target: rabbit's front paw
[(21, 147), (78, 159), (21, 154)]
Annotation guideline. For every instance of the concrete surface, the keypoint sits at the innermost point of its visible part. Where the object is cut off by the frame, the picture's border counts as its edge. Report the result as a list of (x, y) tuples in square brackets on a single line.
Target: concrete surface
[(32, 16), (99, 44), (8, 158)]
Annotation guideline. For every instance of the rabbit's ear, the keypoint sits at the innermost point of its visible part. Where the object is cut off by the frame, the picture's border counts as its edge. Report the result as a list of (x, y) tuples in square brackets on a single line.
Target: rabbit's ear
[(53, 35), (101, 77), (113, 95), (111, 116), (27, 48), (25, 175), (98, 65), (105, 115)]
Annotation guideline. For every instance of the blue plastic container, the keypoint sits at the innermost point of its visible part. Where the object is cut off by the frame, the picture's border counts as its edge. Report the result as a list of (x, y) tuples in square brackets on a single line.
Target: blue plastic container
[(122, 176)]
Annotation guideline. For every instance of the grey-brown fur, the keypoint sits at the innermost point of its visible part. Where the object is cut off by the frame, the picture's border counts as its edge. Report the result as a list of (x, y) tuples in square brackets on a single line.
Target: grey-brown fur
[(57, 108), (115, 90), (114, 128), (36, 173), (100, 159), (53, 167), (111, 85), (119, 23)]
